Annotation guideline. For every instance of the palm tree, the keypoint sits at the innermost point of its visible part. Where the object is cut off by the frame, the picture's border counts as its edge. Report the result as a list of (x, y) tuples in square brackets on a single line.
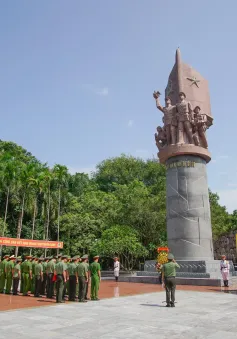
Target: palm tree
[(61, 179), (9, 172)]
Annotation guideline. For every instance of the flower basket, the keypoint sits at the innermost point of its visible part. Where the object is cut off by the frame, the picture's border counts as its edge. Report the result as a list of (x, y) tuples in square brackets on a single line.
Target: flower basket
[(162, 255)]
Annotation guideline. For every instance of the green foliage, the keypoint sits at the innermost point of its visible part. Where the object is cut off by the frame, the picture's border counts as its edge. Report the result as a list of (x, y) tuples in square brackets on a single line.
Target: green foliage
[(121, 210), (122, 241)]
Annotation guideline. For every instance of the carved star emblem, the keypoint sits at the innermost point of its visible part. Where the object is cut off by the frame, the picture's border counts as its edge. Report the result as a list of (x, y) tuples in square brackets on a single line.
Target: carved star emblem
[(194, 81)]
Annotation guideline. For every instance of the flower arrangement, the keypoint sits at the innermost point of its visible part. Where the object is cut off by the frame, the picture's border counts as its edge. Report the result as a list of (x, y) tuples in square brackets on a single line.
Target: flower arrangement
[(162, 256)]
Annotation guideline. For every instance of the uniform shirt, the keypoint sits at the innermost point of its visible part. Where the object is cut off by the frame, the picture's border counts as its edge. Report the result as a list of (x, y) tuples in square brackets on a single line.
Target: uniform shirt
[(38, 269), (2, 267), (16, 271), (50, 267), (26, 267), (94, 269), (169, 269), (72, 268), (82, 269), (44, 265), (9, 267), (224, 266), (33, 263), (60, 267)]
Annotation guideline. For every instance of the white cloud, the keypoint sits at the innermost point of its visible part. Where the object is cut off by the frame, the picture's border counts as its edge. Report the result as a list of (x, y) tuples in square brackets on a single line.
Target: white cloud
[(86, 170), (102, 91), (130, 123), (228, 198)]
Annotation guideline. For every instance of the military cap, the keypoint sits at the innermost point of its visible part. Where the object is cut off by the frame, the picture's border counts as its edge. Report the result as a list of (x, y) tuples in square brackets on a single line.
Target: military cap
[(64, 257), (170, 256), (6, 256), (96, 256), (182, 93), (42, 258), (75, 257), (18, 259), (197, 107), (60, 255), (85, 256), (12, 257), (29, 256), (50, 258)]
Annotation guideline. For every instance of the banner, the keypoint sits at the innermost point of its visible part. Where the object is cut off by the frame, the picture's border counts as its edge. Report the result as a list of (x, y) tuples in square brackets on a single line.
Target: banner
[(30, 243)]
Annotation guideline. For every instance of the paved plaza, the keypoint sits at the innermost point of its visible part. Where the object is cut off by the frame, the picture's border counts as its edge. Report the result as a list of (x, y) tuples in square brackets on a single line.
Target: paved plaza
[(196, 315)]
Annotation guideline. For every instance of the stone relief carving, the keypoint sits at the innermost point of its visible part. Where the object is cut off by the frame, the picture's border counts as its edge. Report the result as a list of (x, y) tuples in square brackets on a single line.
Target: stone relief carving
[(182, 124)]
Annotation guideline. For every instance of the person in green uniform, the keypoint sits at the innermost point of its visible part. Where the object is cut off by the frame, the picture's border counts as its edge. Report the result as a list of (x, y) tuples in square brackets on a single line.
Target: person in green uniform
[(95, 278), (50, 272), (60, 271), (168, 279), (82, 278), (16, 275), (34, 261), (77, 285), (26, 274), (87, 284), (38, 277), (72, 268), (66, 286), (8, 271), (44, 283), (2, 273)]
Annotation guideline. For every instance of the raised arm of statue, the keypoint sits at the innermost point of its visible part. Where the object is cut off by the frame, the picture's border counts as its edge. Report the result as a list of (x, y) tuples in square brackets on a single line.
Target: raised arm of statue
[(191, 112), (156, 96)]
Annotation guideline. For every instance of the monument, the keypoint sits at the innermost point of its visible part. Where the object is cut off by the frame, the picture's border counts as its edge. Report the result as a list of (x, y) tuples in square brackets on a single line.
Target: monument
[(183, 149)]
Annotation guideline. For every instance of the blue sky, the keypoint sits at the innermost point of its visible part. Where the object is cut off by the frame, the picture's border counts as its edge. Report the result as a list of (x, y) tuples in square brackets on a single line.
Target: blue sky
[(77, 77)]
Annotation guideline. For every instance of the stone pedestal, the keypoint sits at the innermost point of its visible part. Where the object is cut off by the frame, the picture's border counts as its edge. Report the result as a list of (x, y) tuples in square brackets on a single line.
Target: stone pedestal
[(188, 209)]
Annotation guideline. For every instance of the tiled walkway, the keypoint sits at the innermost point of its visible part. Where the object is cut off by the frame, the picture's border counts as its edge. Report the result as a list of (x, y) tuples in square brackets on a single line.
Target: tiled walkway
[(108, 289), (197, 315)]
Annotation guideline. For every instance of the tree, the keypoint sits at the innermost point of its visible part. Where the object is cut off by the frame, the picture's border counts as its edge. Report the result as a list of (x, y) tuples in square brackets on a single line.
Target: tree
[(122, 241)]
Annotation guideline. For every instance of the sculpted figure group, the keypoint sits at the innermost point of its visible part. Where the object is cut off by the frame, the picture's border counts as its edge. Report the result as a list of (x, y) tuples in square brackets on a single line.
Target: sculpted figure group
[(178, 120)]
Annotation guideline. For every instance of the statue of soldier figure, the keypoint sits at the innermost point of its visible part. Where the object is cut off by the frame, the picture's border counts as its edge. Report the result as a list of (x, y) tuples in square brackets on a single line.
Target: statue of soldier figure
[(170, 120), (200, 127), (185, 119), (160, 138)]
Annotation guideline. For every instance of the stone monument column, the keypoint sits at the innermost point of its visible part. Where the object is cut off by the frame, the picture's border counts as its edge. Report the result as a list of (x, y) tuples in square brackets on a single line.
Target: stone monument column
[(187, 112)]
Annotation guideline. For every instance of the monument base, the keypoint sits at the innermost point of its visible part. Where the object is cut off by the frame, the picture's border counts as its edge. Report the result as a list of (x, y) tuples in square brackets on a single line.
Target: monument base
[(191, 272)]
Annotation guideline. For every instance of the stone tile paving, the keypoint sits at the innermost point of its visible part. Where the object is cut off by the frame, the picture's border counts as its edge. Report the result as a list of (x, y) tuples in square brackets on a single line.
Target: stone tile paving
[(196, 315)]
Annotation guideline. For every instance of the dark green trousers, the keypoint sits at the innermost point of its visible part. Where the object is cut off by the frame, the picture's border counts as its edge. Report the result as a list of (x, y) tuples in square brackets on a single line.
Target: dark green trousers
[(59, 288), (2, 282), (82, 288), (72, 287), (170, 286), (8, 283)]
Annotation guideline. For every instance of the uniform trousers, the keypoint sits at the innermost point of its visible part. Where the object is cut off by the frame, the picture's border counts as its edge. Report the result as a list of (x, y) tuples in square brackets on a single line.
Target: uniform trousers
[(8, 283), (170, 286), (43, 284), (15, 285), (95, 284), (72, 287), (82, 288), (59, 288), (26, 283), (37, 285), (2, 282), (50, 285)]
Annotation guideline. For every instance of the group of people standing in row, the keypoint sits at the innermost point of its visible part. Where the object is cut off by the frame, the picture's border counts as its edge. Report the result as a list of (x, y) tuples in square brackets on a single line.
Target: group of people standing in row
[(42, 276)]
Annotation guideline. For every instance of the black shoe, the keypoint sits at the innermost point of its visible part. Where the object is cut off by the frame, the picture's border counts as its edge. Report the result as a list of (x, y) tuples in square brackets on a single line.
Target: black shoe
[(172, 305), (60, 302), (168, 305), (96, 299)]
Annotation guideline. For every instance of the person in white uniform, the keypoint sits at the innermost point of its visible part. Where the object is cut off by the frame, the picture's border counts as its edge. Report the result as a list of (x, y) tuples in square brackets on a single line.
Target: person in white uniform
[(225, 270), (116, 268)]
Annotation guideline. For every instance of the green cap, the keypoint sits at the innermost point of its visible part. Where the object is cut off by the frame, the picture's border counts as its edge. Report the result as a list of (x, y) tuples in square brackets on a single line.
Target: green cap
[(75, 257), (64, 256), (85, 256), (60, 255), (170, 256)]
